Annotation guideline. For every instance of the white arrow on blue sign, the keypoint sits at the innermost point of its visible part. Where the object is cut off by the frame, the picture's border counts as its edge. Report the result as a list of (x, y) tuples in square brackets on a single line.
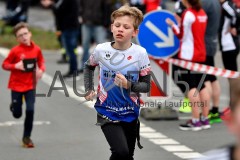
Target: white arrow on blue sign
[(156, 36)]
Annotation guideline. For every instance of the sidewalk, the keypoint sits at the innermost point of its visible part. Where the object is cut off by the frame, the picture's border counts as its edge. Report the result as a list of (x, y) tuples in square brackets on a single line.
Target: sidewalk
[(37, 17)]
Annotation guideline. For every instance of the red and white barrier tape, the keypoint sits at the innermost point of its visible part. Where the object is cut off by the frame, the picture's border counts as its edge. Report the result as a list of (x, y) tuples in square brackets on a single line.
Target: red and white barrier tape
[(204, 68)]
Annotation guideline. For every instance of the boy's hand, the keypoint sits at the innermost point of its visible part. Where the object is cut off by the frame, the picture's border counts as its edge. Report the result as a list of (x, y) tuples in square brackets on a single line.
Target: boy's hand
[(39, 74), (121, 81), (19, 65), (90, 95)]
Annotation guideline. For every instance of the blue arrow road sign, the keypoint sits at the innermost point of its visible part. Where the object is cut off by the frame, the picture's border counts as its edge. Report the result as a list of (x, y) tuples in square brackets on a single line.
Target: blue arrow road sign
[(156, 36)]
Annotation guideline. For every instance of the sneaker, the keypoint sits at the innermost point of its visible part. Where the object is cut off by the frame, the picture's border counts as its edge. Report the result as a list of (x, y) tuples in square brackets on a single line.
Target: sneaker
[(185, 107), (205, 124), (16, 112), (189, 125), (214, 118), (27, 142), (11, 107)]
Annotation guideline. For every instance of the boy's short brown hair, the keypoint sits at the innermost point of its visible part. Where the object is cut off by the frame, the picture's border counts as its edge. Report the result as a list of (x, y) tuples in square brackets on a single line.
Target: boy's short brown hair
[(19, 26), (126, 10)]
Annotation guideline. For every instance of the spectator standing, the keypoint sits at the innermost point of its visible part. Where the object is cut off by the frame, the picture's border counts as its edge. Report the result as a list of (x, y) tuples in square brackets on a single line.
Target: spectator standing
[(191, 33), (213, 11), (16, 11), (94, 24), (66, 16), (228, 39)]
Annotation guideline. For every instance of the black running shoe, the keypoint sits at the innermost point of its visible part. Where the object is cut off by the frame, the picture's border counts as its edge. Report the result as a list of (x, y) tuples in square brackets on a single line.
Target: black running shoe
[(11, 107)]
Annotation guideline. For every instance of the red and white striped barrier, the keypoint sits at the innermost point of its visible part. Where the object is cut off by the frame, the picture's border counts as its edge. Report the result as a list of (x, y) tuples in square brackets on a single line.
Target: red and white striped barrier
[(204, 68)]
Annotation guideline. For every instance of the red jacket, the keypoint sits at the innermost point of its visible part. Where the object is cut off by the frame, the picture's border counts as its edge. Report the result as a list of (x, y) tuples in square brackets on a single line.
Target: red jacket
[(191, 33), (21, 81)]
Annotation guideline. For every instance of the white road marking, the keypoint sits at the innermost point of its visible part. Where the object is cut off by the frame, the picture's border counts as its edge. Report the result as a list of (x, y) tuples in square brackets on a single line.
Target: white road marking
[(149, 133), (176, 148), (152, 135), (147, 129), (142, 125), (187, 155), (4, 52), (164, 141), (14, 123)]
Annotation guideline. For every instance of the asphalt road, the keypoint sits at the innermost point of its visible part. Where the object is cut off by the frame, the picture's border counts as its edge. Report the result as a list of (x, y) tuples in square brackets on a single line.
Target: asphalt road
[(65, 126)]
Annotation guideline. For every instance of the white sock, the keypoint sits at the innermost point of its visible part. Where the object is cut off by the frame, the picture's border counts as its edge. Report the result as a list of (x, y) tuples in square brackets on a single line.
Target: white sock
[(195, 120)]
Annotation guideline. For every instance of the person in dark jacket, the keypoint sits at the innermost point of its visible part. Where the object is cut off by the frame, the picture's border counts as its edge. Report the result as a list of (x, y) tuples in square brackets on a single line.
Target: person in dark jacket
[(16, 11), (95, 21), (66, 17), (213, 11), (228, 39)]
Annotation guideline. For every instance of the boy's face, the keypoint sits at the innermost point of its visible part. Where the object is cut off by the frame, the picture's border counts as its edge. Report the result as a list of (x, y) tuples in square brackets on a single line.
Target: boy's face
[(123, 30), (24, 36)]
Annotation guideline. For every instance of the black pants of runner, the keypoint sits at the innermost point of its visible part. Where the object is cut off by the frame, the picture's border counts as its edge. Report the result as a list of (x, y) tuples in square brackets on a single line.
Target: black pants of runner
[(122, 138), (17, 98)]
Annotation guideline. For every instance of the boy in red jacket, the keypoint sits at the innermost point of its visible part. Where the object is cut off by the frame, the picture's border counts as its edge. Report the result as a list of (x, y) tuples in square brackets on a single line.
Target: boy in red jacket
[(26, 64)]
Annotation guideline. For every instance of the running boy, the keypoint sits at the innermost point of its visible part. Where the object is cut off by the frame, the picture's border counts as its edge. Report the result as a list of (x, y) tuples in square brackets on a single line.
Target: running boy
[(124, 68), (21, 62)]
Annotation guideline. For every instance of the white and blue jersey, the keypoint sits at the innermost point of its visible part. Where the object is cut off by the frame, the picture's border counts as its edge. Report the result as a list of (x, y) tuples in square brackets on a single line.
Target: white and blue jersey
[(116, 102)]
